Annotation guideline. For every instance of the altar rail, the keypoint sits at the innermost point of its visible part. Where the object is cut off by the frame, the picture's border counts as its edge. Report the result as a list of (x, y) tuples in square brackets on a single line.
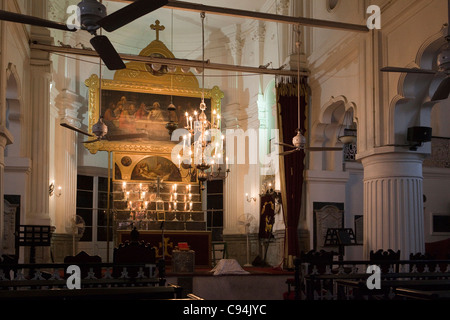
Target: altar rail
[(318, 281), (27, 277)]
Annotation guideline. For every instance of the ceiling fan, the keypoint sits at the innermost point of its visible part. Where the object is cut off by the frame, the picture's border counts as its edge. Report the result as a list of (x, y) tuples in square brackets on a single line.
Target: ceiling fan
[(100, 131), (299, 141), (92, 17), (443, 64)]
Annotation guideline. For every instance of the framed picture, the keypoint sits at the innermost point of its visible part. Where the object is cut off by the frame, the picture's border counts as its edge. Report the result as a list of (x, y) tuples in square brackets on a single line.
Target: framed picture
[(128, 113), (135, 109)]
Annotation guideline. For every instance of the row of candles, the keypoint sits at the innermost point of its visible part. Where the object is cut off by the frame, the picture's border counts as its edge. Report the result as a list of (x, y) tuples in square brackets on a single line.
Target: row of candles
[(143, 204), (190, 120)]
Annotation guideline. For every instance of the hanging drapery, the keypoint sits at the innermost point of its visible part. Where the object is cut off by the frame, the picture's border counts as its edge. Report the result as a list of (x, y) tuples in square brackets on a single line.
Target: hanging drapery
[(291, 166)]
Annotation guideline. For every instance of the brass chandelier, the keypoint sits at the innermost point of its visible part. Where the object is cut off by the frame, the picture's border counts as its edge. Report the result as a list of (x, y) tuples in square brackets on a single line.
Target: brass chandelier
[(203, 146)]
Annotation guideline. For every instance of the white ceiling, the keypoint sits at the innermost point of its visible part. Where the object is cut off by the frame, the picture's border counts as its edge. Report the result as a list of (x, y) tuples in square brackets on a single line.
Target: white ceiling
[(185, 36)]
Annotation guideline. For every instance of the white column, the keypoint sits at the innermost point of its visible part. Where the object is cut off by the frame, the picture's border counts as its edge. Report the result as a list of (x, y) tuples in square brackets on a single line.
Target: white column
[(5, 138), (67, 103), (234, 186), (393, 203), (40, 76)]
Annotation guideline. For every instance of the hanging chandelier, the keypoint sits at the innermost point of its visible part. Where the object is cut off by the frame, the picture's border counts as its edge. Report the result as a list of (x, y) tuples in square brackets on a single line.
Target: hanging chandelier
[(203, 146)]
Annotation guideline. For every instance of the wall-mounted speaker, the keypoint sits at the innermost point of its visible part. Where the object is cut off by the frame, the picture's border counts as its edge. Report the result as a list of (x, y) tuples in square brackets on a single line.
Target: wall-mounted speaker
[(419, 134)]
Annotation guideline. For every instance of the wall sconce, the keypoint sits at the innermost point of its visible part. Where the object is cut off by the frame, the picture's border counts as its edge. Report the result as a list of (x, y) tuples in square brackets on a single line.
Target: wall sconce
[(58, 193), (250, 199)]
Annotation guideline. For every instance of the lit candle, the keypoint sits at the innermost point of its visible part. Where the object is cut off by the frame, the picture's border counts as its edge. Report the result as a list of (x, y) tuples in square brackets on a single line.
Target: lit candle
[(190, 120), (124, 185), (190, 206), (196, 115), (130, 205), (218, 121), (184, 142), (143, 195), (187, 119), (175, 196), (175, 206), (140, 186), (128, 195), (190, 196), (146, 204), (175, 187), (226, 160)]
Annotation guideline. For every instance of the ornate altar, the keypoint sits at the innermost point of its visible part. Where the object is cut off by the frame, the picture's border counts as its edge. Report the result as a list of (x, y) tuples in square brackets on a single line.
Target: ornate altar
[(144, 107)]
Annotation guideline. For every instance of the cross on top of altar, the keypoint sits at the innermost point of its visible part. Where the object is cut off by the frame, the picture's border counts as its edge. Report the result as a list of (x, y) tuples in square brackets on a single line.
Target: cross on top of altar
[(157, 27)]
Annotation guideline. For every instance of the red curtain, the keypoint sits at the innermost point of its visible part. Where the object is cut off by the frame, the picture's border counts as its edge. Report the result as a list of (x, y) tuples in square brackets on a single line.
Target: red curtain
[(292, 166)]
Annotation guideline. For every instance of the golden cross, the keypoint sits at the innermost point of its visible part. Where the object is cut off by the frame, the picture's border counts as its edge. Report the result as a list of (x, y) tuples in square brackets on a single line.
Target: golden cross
[(157, 27)]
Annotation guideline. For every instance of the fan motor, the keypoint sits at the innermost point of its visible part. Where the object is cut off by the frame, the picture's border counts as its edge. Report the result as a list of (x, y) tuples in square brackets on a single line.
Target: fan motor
[(91, 11)]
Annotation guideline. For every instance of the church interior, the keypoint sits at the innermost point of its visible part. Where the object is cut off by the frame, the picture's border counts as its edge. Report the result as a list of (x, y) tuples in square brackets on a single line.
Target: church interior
[(241, 150)]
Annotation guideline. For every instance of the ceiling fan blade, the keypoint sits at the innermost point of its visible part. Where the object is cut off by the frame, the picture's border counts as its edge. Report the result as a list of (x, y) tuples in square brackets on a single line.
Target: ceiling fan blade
[(288, 152), (107, 53), (407, 70), (443, 90), (34, 21), (286, 145), (323, 149), (63, 124), (130, 13)]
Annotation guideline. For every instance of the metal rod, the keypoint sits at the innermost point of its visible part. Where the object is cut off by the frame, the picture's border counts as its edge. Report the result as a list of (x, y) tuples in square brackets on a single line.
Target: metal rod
[(169, 61), (108, 210), (187, 6)]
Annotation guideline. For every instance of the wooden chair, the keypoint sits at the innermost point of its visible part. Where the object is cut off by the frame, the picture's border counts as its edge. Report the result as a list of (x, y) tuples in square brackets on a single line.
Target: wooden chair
[(82, 258), (318, 259), (421, 266), (384, 259), (131, 253)]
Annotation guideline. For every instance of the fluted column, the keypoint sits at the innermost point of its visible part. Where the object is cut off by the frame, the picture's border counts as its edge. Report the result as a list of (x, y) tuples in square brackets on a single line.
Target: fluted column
[(5, 139), (234, 186), (393, 203), (40, 77), (67, 104)]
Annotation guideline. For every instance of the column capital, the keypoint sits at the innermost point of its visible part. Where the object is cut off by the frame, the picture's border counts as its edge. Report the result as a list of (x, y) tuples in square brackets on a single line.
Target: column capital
[(394, 164), (68, 103)]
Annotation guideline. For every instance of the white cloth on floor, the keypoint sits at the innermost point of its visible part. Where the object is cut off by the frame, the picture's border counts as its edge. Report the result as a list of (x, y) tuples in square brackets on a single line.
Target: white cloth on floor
[(228, 266)]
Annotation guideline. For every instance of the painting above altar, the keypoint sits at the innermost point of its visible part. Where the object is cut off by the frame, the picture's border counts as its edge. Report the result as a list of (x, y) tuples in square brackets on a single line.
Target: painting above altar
[(141, 107), (127, 113)]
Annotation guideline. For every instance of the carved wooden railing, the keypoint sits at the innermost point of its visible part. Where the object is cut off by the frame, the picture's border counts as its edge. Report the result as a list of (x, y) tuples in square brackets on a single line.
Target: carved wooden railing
[(311, 284), (48, 276)]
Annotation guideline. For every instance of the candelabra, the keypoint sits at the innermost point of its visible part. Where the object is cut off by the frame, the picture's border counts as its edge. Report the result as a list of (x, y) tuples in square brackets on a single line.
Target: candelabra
[(206, 151)]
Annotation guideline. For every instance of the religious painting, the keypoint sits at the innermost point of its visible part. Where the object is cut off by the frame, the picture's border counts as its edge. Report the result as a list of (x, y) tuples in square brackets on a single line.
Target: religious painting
[(151, 168), (147, 115)]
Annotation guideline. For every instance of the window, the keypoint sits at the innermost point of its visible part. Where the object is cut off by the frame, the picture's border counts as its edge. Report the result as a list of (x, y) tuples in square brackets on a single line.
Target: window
[(440, 224), (214, 212), (92, 197)]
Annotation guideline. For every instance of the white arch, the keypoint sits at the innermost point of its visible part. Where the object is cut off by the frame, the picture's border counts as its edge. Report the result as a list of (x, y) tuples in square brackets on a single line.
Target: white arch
[(412, 105)]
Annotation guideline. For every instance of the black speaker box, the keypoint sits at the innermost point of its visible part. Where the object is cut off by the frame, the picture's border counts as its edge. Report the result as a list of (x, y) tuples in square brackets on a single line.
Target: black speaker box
[(419, 134)]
